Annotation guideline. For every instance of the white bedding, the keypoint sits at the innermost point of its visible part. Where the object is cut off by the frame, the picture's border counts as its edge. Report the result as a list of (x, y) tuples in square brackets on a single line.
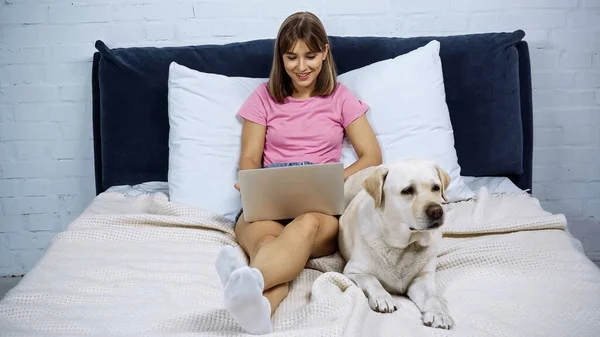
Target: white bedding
[(141, 265), (493, 184)]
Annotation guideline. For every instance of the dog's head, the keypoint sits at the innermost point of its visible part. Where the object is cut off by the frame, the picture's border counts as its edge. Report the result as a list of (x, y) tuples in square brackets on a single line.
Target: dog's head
[(408, 194)]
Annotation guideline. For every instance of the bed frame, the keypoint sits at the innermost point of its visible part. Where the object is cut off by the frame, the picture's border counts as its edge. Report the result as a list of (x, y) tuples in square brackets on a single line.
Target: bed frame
[(487, 78)]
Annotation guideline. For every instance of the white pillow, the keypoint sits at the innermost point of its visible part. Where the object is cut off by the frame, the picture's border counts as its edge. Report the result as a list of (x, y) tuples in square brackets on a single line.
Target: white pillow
[(408, 111), (204, 138)]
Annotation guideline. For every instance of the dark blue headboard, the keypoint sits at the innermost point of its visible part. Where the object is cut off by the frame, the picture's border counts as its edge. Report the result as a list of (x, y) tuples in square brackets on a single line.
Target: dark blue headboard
[(487, 79)]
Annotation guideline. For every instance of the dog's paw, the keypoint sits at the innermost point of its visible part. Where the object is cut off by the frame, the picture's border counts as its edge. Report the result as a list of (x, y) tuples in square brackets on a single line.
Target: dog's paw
[(438, 320), (382, 302)]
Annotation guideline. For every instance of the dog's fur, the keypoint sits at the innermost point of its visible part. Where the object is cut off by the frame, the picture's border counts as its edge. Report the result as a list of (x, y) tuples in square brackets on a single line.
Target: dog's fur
[(389, 241)]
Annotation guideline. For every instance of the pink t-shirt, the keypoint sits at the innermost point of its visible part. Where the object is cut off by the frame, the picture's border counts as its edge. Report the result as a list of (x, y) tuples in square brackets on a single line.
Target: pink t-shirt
[(303, 129)]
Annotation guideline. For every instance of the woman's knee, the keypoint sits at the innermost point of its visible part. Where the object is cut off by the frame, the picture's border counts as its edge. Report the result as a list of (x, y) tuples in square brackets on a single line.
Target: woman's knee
[(252, 236), (259, 243), (264, 240), (309, 223)]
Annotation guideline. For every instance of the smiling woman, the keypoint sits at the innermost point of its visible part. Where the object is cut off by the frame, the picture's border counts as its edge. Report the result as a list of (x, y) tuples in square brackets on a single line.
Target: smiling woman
[(298, 117), (301, 54), (302, 64)]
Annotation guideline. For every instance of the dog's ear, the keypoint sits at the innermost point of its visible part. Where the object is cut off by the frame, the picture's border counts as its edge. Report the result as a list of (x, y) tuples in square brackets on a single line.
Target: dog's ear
[(445, 179), (373, 184)]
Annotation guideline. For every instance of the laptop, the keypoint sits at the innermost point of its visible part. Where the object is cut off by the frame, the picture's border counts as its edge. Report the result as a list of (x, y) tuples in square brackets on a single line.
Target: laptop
[(282, 193)]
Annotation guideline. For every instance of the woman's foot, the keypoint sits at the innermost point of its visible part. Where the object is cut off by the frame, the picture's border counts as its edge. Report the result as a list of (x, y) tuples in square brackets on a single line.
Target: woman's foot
[(245, 301), (227, 262)]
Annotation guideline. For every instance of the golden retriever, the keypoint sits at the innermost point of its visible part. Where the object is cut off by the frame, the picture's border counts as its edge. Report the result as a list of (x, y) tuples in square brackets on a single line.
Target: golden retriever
[(389, 235)]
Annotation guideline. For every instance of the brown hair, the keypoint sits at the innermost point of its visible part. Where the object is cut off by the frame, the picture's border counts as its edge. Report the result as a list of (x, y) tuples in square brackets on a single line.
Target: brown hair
[(307, 27)]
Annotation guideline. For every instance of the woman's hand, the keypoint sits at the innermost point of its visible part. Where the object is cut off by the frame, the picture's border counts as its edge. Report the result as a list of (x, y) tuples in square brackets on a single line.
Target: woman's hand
[(237, 186)]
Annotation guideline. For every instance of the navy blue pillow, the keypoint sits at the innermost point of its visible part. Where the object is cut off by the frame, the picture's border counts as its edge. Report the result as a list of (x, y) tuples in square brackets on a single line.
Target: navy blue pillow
[(480, 73)]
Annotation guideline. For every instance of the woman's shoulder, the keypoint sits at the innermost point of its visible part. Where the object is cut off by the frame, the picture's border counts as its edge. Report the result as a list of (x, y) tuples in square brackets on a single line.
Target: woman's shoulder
[(259, 95), (341, 91), (256, 105), (262, 93), (262, 89)]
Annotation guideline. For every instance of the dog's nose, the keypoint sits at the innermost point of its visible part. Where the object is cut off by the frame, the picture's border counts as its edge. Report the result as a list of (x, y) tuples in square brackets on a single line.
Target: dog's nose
[(434, 211)]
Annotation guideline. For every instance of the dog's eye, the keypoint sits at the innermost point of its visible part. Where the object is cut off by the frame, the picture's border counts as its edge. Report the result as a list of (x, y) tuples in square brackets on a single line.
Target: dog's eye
[(436, 188), (407, 191)]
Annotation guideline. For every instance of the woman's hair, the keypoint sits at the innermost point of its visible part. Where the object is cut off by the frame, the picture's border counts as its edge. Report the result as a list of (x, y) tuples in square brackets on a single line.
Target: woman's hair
[(307, 27)]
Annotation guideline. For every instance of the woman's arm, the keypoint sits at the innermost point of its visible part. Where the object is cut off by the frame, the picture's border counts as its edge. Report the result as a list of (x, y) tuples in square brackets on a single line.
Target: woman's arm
[(365, 145), (253, 142)]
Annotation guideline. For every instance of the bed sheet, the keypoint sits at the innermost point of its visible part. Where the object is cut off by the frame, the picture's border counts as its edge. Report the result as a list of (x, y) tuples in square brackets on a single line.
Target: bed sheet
[(143, 188), (141, 265), (492, 184)]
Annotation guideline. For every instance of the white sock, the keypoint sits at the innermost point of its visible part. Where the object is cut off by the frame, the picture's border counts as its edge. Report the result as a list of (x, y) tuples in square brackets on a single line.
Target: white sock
[(245, 302), (227, 261)]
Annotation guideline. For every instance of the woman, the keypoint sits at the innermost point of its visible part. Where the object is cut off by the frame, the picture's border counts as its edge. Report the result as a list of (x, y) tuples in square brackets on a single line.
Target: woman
[(297, 118)]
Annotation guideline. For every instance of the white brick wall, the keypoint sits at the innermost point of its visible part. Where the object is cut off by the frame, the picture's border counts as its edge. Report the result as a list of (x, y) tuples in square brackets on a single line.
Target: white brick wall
[(46, 167)]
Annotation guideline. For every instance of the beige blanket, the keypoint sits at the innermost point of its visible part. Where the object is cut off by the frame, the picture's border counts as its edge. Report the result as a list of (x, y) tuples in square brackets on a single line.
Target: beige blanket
[(144, 266)]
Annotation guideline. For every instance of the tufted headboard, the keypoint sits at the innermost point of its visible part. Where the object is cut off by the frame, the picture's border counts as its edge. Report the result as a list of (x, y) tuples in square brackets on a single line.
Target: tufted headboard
[(487, 80)]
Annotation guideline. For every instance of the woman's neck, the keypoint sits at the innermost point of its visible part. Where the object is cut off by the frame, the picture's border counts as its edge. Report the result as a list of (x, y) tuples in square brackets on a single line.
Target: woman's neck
[(302, 93)]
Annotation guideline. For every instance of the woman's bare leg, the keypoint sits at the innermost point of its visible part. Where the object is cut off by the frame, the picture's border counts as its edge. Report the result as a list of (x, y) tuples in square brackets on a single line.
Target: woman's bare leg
[(278, 293), (253, 236), (244, 286), (282, 259), (277, 255)]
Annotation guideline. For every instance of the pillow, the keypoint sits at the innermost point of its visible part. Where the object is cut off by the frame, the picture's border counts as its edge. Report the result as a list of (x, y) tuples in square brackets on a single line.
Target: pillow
[(204, 138), (408, 111)]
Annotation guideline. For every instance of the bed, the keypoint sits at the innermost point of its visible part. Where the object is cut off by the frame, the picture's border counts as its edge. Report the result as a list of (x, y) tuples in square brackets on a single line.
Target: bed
[(137, 263)]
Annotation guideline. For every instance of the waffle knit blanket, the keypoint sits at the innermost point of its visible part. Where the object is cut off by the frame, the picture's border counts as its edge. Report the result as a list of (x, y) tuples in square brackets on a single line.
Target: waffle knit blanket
[(143, 266)]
